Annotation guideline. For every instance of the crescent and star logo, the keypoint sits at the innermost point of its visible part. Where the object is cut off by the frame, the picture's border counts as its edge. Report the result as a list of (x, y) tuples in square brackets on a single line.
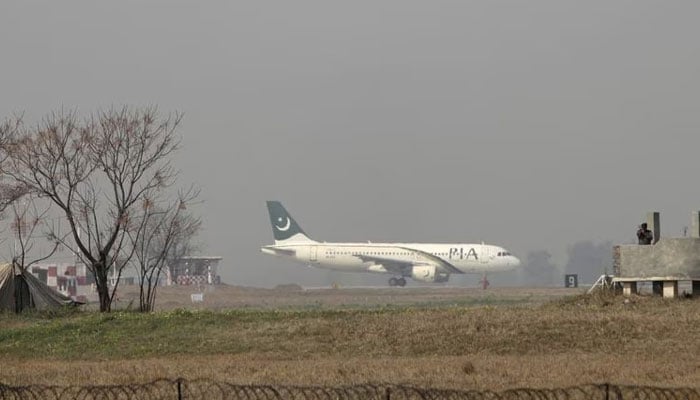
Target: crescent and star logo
[(284, 228)]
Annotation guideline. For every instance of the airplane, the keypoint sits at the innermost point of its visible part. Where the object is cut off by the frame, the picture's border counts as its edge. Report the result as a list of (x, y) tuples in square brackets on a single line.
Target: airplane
[(423, 262)]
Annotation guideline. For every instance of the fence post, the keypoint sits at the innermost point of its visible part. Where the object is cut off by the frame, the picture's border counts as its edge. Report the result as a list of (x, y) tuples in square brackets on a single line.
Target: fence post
[(387, 393), (179, 388), (607, 391)]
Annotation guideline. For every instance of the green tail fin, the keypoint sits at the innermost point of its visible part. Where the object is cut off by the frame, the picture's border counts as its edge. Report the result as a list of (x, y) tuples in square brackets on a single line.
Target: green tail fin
[(284, 227)]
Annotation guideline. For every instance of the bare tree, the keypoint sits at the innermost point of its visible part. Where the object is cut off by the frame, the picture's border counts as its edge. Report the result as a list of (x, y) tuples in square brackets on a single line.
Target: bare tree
[(96, 172), (184, 243), (160, 227), (27, 217), (10, 191)]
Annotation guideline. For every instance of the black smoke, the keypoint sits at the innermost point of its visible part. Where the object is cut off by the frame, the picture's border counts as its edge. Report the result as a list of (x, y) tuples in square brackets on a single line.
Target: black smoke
[(538, 269), (589, 260)]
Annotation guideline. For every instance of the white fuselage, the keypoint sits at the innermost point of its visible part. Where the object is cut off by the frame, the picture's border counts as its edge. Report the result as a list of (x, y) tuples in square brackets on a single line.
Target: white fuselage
[(424, 262), (353, 257)]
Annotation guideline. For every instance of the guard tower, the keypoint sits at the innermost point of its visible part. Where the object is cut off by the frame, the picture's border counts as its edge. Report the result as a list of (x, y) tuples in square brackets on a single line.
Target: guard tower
[(664, 263)]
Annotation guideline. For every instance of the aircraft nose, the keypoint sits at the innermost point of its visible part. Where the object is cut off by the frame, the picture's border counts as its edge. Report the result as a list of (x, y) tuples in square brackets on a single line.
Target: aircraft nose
[(515, 262)]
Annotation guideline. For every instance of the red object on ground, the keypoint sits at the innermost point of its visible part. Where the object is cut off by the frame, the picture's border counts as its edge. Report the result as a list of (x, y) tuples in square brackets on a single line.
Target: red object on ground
[(484, 282)]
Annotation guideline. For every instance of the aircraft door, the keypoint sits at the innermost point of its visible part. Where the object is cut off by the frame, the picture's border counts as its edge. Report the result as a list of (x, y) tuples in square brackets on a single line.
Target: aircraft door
[(485, 255), (313, 250)]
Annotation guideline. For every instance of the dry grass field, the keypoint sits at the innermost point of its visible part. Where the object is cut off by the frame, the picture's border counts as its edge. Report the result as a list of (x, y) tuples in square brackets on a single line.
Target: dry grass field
[(441, 337)]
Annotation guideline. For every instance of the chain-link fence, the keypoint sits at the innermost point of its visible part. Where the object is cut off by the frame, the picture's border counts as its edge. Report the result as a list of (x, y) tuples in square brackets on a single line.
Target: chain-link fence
[(206, 389)]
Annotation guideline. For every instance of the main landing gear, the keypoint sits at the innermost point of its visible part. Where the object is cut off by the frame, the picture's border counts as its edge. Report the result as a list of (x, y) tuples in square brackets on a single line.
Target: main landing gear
[(397, 282)]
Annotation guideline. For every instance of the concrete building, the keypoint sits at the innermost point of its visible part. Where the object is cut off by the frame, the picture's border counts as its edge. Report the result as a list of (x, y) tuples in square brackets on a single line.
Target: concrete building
[(664, 263)]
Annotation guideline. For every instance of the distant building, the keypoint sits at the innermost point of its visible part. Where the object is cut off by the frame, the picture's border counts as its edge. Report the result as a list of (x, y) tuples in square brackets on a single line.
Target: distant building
[(74, 279), (66, 278), (195, 270)]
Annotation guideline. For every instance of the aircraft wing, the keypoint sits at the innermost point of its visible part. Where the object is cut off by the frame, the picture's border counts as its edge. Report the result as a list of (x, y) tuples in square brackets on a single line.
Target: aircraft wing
[(403, 267), (442, 264), (392, 265)]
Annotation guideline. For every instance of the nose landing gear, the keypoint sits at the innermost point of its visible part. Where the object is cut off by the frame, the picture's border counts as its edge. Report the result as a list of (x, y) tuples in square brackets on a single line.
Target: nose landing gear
[(397, 282)]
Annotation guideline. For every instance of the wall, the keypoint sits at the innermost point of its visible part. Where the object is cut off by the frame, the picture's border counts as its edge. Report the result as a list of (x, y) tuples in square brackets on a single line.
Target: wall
[(674, 258)]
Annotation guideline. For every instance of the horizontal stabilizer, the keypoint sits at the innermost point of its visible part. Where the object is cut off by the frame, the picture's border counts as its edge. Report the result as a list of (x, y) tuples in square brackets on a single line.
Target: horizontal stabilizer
[(278, 252)]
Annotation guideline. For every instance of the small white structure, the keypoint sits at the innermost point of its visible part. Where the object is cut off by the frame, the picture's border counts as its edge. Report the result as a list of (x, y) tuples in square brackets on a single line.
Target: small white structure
[(604, 282), (197, 297)]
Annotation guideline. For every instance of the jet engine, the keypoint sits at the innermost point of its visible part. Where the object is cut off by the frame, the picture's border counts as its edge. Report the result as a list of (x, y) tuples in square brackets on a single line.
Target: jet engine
[(428, 273), (376, 268)]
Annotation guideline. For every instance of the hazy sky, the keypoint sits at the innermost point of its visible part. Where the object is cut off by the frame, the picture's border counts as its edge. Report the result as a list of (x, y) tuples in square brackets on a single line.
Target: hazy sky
[(529, 124)]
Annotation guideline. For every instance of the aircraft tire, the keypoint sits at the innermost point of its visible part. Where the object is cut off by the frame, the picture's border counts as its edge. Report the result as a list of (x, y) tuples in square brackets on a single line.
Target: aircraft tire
[(401, 282), (393, 281)]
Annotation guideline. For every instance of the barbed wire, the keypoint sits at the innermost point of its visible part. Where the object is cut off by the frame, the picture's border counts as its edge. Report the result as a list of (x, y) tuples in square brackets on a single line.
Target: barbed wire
[(207, 389)]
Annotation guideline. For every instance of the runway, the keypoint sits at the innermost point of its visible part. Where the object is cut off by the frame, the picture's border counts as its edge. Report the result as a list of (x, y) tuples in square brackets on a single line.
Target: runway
[(293, 296)]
